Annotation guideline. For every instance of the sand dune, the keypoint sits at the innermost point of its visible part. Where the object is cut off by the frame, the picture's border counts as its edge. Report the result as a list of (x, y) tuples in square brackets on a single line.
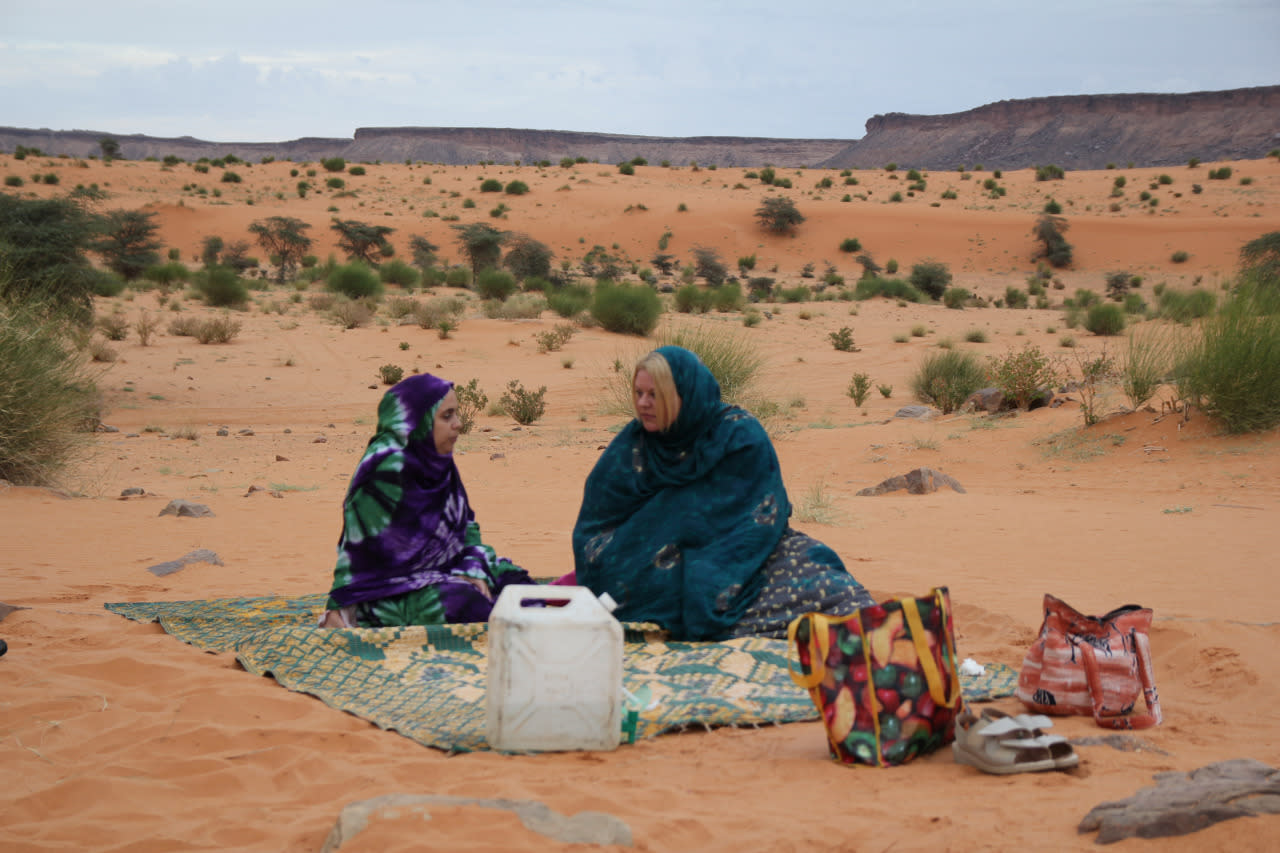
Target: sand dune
[(116, 737)]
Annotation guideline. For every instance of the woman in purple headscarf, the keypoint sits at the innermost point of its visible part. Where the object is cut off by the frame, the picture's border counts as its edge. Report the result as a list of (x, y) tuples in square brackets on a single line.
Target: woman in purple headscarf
[(410, 552)]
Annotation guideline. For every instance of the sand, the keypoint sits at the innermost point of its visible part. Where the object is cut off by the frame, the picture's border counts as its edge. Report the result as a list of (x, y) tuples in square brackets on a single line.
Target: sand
[(116, 737)]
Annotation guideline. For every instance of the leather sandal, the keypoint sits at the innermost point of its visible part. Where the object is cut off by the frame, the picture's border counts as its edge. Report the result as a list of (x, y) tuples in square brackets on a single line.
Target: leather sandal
[(1002, 744)]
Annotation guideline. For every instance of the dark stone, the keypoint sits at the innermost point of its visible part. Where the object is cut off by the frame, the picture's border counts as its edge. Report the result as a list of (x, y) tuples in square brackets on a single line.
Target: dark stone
[(984, 400), (922, 412), (223, 431), (132, 491), (280, 458), (6, 609), (186, 509), (1180, 803), (921, 481)]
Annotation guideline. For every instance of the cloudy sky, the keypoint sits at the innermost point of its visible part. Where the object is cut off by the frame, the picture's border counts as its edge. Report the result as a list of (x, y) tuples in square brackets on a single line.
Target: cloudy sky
[(272, 70)]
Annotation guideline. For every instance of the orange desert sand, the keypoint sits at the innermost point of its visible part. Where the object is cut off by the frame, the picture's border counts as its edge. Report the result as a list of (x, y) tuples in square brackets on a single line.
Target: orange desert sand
[(117, 737)]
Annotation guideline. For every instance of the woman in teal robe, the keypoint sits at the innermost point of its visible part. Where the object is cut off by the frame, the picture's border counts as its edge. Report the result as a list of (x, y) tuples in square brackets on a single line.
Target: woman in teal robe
[(684, 519)]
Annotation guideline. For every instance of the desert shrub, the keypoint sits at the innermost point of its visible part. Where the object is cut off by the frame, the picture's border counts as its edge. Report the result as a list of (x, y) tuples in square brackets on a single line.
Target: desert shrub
[(184, 327), (146, 326), (626, 168), (1231, 371), (1134, 304), (1050, 173), (955, 297), (728, 297), (1146, 365), (390, 374), (520, 306), (114, 327), (931, 278), (851, 244), (351, 313), (778, 214), (333, 164), (167, 274), (946, 378), (491, 185), (624, 308), (859, 386), (396, 271), (522, 405), (230, 177), (354, 281), (471, 402), (1015, 297), (1023, 375), (554, 339), (357, 171), (570, 301), (495, 284), (401, 307), (217, 330), (48, 397), (516, 188), (457, 277), (1180, 257), (1222, 174), (1105, 318), (799, 293), (842, 339), (975, 336), (760, 287), (221, 287), (692, 299), (430, 313), (890, 288), (13, 181)]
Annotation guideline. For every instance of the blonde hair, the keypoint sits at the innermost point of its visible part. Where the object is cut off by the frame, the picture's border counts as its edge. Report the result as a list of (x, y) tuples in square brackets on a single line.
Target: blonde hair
[(664, 387)]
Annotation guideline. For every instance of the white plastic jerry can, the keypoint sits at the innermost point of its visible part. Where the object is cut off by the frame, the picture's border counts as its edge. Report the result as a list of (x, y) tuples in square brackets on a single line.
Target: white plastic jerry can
[(555, 672)]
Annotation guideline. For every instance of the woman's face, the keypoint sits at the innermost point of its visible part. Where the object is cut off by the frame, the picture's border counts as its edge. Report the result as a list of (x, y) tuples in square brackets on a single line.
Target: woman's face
[(648, 407), (448, 425)]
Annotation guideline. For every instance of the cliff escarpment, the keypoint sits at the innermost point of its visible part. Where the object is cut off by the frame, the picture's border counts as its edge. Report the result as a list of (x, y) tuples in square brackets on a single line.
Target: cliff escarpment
[(1074, 132)]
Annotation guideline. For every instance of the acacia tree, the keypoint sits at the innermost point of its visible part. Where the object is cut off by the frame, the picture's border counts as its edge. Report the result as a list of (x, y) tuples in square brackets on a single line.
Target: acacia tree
[(110, 148), (1048, 230), (42, 254), (423, 251), (482, 244), (361, 241), (779, 215), (281, 237), (128, 243), (527, 257), (707, 263)]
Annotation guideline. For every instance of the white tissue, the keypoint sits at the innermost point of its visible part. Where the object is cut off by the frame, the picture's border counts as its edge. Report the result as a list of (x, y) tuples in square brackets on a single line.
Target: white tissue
[(971, 667)]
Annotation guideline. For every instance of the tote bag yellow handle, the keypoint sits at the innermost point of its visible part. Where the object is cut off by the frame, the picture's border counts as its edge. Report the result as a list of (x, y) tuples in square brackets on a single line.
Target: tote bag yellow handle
[(911, 612), (819, 637)]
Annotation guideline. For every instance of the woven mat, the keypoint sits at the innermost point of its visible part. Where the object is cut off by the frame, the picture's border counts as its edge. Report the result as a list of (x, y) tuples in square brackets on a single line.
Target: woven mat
[(428, 683)]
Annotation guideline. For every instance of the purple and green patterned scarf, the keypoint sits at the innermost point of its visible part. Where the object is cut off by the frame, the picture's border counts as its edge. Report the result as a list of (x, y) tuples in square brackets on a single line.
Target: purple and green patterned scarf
[(406, 514)]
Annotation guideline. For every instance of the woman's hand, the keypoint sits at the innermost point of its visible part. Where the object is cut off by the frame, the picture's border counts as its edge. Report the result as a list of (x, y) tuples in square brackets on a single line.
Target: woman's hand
[(480, 585)]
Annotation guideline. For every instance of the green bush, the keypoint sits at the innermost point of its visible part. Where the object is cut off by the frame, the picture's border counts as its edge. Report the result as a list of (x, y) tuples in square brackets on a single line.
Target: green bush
[(955, 297), (354, 281), (859, 387), (335, 183), (728, 297), (333, 164), (396, 271), (390, 374), (946, 378), (495, 284), (230, 177), (570, 301), (799, 293), (516, 188), (1145, 365), (692, 299), (221, 287), (1015, 297), (458, 277), (471, 402), (842, 340), (1023, 375), (890, 288), (491, 185), (357, 171), (48, 397), (931, 278), (1231, 373), (1183, 306), (167, 274), (851, 244), (624, 308), (523, 406), (1105, 318)]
